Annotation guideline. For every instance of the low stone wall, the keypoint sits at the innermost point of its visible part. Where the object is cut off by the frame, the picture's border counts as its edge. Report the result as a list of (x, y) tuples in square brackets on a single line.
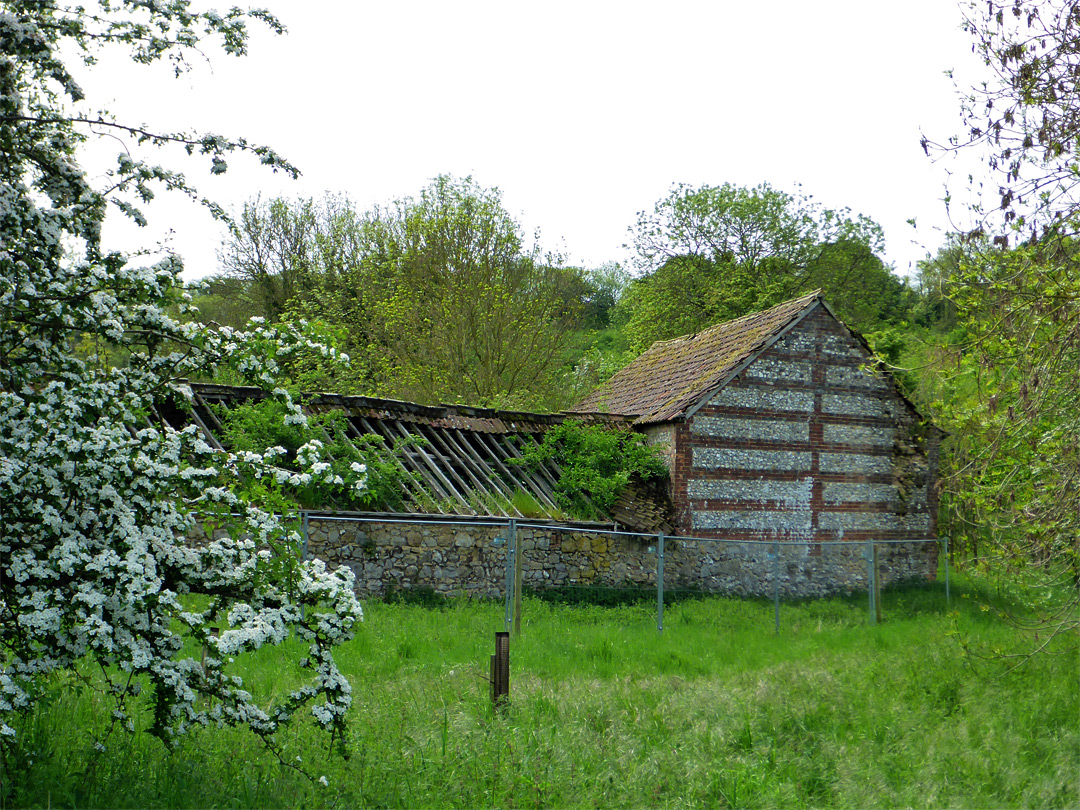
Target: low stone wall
[(465, 557)]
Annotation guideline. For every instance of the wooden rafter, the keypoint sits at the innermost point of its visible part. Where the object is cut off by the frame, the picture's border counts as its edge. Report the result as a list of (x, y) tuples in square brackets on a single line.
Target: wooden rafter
[(455, 459), (491, 480), (209, 434), (447, 488), (499, 453), (448, 457), (451, 453), (411, 468)]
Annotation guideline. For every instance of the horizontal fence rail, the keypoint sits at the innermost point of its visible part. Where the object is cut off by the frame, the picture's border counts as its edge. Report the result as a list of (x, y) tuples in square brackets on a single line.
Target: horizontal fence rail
[(506, 546)]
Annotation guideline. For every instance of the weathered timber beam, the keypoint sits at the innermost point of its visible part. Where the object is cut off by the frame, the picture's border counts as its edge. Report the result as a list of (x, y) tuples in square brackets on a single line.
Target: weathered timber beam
[(210, 437), (481, 439), (425, 498), (491, 479), (209, 411), (532, 483), (448, 456), (542, 478), (451, 492)]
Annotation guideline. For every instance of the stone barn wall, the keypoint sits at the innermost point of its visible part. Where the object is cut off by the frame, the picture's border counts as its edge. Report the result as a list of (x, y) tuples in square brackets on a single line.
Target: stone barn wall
[(463, 558), (807, 444)]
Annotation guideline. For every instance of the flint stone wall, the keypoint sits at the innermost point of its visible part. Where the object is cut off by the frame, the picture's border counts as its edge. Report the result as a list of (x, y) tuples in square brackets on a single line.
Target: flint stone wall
[(808, 443), (463, 558)]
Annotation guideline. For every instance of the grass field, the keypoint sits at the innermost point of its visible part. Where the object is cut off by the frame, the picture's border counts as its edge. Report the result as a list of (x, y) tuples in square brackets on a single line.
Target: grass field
[(717, 712)]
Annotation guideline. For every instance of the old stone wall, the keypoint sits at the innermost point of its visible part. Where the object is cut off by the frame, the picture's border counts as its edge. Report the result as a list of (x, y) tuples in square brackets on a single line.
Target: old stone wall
[(464, 557)]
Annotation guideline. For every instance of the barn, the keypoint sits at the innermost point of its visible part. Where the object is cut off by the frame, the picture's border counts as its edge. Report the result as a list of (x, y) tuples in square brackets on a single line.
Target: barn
[(788, 451), (780, 426)]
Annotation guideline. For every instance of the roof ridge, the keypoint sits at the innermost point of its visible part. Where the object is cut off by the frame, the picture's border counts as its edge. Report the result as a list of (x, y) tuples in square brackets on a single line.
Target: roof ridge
[(650, 387), (760, 313)]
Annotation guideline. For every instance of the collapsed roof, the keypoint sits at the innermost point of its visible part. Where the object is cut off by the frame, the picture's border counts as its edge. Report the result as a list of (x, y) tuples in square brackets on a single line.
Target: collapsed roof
[(457, 459)]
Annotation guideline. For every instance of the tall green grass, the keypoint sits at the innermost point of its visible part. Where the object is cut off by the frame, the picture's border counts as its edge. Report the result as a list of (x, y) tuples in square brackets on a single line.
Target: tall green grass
[(717, 712)]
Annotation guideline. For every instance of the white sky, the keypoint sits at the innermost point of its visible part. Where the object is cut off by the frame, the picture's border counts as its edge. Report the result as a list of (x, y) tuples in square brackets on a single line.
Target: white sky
[(582, 113)]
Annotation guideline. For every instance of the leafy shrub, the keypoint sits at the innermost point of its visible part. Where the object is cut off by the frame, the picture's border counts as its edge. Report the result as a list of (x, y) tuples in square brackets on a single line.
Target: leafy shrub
[(261, 424), (594, 460)]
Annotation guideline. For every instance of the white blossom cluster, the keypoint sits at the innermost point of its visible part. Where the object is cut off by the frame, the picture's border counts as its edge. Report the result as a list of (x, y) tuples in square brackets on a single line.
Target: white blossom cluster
[(97, 495)]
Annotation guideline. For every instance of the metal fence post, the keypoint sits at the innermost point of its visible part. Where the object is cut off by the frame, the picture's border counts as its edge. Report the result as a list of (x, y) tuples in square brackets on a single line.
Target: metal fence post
[(518, 553), (660, 582), (304, 533), (776, 583), (304, 553), (869, 554), (948, 600), (877, 585), (510, 540)]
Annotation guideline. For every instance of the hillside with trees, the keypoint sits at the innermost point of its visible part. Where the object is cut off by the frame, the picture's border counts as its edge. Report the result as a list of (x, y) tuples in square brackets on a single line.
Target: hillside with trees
[(440, 298)]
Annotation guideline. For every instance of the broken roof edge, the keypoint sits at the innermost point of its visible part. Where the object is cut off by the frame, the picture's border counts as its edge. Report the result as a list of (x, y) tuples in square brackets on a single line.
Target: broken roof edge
[(218, 392)]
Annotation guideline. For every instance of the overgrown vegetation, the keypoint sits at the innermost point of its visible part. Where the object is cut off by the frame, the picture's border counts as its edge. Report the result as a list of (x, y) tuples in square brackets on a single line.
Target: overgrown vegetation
[(97, 495), (716, 712), (596, 462), (1007, 376), (438, 296), (260, 424)]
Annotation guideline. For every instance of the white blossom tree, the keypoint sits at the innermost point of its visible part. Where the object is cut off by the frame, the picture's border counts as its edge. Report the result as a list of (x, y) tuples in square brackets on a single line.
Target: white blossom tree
[(97, 495)]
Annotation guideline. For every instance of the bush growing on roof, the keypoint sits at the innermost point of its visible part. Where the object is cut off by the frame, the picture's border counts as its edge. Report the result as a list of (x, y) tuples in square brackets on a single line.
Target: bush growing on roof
[(595, 461)]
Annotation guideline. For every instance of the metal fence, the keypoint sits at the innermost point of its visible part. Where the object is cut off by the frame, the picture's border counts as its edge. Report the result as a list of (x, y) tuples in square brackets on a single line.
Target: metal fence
[(513, 586)]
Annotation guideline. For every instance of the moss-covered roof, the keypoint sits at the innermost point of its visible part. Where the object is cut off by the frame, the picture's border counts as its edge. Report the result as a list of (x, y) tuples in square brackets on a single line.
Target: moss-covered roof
[(673, 375)]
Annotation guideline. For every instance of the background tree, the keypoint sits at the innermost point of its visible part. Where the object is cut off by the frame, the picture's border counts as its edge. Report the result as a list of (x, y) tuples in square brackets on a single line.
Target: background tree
[(274, 249), (688, 293), (315, 260), (717, 252), (474, 315), (97, 494), (1016, 289), (1024, 118), (438, 296), (604, 287), (936, 281)]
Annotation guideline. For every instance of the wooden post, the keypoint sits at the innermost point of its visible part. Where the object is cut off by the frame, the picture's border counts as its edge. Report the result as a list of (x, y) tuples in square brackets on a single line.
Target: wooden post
[(500, 670)]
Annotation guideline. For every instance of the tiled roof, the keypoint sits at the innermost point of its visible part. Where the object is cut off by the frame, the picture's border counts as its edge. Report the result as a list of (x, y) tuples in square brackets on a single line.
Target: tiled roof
[(673, 375)]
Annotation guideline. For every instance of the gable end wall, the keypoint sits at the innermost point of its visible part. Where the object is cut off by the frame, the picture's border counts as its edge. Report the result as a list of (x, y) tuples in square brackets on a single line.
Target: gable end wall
[(808, 446)]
